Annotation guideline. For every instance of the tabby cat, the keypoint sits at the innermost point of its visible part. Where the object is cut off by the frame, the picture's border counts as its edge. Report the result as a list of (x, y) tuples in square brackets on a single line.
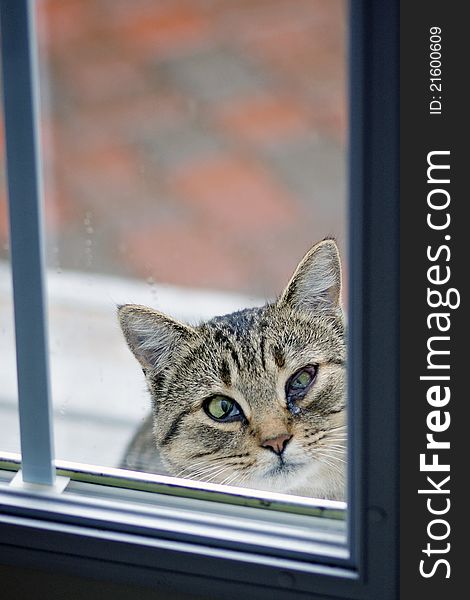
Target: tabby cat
[(255, 398)]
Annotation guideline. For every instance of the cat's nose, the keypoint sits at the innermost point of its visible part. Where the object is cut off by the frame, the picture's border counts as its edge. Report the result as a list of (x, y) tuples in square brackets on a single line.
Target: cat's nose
[(277, 444)]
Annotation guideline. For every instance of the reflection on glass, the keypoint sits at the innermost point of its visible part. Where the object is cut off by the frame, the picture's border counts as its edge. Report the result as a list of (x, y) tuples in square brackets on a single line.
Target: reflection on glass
[(9, 423), (193, 154)]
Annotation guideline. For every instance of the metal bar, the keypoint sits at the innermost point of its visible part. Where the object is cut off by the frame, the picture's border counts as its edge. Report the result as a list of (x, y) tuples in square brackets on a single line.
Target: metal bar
[(357, 117), (374, 350), (186, 488), (20, 96)]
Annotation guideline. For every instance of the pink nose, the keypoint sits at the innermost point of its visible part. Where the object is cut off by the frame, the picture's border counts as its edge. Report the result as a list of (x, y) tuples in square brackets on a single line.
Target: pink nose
[(277, 444)]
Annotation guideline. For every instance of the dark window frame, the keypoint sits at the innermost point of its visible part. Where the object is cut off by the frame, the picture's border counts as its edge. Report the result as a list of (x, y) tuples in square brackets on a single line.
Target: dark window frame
[(31, 534)]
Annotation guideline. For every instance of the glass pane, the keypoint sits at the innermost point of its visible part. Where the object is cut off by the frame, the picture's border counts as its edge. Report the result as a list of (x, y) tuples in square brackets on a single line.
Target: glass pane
[(9, 422), (194, 152)]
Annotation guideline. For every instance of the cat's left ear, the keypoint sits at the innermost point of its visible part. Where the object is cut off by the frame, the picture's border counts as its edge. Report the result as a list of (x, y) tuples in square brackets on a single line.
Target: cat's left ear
[(316, 283)]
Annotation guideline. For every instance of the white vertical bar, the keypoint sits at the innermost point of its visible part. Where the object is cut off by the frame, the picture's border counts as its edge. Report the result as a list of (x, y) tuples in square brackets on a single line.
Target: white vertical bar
[(20, 92)]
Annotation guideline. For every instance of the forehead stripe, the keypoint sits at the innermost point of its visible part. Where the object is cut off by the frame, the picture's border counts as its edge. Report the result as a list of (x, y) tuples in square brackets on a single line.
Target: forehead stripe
[(279, 357), (235, 357), (262, 344), (225, 373)]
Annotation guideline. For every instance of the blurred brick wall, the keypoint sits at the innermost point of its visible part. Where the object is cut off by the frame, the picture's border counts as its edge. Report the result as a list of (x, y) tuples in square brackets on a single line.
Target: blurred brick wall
[(199, 142)]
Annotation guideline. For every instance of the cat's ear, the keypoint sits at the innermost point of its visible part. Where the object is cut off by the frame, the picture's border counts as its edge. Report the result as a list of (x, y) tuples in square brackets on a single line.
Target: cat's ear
[(316, 283), (152, 336)]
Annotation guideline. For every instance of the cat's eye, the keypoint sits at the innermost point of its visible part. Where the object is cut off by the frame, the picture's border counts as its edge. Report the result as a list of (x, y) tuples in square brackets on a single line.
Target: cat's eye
[(222, 408), (300, 382)]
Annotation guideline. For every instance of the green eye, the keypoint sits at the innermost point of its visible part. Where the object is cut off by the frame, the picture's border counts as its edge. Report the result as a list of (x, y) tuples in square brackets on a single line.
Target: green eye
[(222, 408), (299, 383), (301, 380)]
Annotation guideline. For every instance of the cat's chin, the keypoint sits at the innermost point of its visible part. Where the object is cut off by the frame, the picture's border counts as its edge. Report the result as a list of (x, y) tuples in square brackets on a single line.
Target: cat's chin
[(300, 479)]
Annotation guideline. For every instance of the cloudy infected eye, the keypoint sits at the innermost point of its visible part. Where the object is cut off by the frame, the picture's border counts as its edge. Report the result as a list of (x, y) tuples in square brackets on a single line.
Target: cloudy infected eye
[(299, 384)]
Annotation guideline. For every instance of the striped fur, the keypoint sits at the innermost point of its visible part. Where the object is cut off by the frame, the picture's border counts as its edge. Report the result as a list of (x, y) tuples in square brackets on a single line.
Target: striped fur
[(249, 356)]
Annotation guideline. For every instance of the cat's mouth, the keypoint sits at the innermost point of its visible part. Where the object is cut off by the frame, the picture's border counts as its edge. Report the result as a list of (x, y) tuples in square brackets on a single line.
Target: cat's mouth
[(283, 467)]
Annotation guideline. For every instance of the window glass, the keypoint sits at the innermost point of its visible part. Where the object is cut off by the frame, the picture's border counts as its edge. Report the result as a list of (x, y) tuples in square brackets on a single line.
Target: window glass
[(193, 154), (9, 423)]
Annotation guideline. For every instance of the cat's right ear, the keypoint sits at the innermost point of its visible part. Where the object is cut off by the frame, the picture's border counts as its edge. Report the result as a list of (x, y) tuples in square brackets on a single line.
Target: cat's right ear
[(152, 336), (316, 283)]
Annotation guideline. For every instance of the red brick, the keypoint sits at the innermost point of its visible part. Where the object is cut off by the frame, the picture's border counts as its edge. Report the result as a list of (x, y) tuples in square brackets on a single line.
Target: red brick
[(59, 213), (160, 108), (306, 50), (170, 30), (197, 254), (99, 80), (232, 224), (4, 227), (232, 193), (111, 161), (183, 254), (62, 22), (263, 21), (107, 174), (262, 119)]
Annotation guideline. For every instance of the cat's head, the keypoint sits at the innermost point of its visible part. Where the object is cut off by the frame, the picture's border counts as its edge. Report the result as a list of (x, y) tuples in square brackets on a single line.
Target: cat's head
[(255, 398)]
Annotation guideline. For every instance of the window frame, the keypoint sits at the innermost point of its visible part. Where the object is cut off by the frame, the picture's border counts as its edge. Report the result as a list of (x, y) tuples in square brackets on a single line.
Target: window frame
[(35, 532)]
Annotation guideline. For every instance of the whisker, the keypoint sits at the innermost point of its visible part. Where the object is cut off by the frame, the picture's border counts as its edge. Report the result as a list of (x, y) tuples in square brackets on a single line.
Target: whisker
[(336, 454), (244, 478), (206, 476), (229, 479), (191, 466), (215, 461), (202, 471), (325, 460), (335, 440), (335, 458), (216, 474)]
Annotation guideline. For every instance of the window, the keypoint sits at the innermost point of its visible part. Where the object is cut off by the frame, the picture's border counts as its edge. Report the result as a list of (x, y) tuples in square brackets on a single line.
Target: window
[(190, 173), (9, 393), (305, 545)]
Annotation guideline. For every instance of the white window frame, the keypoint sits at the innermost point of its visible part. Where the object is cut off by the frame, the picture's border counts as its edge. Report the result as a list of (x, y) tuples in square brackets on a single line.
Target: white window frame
[(207, 548)]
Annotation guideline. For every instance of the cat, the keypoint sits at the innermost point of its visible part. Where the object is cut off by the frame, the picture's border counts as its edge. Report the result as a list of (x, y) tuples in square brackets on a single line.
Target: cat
[(252, 399)]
